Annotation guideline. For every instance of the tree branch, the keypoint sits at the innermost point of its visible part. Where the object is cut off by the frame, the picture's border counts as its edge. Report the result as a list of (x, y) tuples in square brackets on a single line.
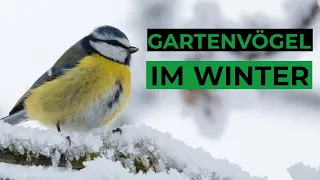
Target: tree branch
[(30, 159), (137, 149)]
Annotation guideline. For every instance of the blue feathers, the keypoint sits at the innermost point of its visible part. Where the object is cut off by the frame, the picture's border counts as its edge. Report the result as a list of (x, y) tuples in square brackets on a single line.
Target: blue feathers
[(110, 30)]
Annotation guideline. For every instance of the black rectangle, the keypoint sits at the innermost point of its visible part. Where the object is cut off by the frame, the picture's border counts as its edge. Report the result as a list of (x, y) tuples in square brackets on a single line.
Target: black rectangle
[(298, 39)]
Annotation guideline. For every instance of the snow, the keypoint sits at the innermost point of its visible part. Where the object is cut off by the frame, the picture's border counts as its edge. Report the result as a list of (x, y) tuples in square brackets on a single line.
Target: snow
[(47, 143), (303, 172), (98, 169), (139, 142), (265, 140), (105, 169)]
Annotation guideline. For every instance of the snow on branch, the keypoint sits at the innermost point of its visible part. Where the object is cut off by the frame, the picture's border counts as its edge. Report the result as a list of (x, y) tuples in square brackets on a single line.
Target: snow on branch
[(100, 154), (19, 145), (302, 172)]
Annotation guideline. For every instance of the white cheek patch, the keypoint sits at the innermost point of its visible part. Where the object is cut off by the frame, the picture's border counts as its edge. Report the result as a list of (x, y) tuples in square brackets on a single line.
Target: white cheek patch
[(113, 52), (107, 37)]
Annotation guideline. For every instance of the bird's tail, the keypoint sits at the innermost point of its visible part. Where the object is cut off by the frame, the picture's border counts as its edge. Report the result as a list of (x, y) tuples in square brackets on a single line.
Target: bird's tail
[(16, 118)]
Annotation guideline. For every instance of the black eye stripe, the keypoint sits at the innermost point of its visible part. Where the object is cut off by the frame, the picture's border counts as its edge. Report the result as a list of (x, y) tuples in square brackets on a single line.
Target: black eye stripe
[(111, 42), (115, 43)]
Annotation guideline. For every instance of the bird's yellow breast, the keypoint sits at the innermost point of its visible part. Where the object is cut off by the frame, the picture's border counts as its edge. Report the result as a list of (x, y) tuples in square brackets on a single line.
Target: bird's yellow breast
[(80, 92)]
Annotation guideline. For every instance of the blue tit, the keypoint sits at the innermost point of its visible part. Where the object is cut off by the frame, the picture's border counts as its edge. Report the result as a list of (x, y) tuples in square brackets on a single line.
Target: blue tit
[(86, 88)]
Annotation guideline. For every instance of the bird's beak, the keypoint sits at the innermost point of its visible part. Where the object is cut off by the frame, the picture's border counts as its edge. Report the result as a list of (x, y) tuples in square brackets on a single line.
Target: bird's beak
[(132, 49)]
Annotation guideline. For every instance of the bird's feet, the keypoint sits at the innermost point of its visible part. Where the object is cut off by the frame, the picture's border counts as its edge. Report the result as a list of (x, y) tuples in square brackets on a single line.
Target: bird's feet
[(69, 140), (117, 130), (59, 130)]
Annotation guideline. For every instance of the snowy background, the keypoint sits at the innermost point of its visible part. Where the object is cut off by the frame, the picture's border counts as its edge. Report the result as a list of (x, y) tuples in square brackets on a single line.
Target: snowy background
[(263, 132)]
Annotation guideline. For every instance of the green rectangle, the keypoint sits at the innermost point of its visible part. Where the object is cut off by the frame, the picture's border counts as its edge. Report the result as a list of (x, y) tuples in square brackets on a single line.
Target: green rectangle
[(298, 74)]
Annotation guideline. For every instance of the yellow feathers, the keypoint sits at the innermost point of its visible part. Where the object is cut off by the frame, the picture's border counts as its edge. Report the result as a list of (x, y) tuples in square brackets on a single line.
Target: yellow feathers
[(74, 92)]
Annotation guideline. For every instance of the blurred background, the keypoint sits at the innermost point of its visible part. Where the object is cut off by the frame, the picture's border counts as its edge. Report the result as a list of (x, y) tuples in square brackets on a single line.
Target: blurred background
[(264, 132)]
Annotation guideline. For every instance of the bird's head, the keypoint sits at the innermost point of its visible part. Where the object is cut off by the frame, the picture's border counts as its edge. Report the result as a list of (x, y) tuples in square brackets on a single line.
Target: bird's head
[(111, 43)]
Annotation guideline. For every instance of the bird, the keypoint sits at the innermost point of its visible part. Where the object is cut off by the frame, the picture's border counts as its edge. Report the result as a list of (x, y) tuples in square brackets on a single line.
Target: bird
[(86, 88)]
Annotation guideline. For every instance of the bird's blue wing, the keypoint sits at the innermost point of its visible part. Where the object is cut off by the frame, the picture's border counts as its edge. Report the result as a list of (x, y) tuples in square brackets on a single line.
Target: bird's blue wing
[(68, 60), (50, 75)]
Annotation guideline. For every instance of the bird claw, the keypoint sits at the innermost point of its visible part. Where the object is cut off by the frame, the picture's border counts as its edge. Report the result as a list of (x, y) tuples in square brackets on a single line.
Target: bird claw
[(117, 130), (69, 140)]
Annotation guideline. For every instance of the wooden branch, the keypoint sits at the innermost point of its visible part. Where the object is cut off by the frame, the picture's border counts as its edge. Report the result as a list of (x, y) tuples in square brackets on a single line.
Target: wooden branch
[(138, 149), (25, 146), (20, 150), (30, 159)]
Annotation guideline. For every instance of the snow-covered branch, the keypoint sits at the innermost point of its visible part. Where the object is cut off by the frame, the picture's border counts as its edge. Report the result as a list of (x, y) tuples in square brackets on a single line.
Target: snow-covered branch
[(138, 149), (12, 157), (19, 145)]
